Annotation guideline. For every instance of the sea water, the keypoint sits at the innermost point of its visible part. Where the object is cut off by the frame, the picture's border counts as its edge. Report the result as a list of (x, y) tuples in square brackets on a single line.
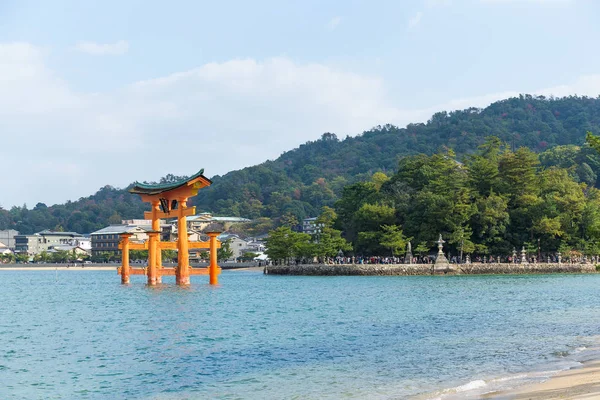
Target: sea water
[(83, 335)]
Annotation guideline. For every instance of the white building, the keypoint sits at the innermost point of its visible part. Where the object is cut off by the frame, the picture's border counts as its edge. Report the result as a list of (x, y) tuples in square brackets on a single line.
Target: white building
[(310, 226), (237, 245), (200, 221), (107, 239), (7, 237)]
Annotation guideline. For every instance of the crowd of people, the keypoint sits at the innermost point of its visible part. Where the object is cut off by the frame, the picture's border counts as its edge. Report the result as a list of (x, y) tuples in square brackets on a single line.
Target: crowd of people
[(430, 259)]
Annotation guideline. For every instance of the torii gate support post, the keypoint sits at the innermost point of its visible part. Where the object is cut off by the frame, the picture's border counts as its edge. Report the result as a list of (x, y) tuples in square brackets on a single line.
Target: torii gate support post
[(182, 274), (213, 268), (152, 247), (125, 258), (157, 251)]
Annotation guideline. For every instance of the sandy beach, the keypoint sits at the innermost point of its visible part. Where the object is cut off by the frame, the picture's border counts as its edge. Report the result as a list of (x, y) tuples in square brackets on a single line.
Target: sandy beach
[(578, 383)]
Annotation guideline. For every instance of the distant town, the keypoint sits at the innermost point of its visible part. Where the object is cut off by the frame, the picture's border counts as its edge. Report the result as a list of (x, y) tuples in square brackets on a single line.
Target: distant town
[(101, 246)]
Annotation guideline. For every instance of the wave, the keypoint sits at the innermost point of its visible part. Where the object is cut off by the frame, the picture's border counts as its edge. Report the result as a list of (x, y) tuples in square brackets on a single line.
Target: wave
[(474, 389)]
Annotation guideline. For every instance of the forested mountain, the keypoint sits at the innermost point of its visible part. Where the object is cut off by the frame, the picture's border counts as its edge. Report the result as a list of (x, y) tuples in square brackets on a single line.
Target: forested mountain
[(303, 180)]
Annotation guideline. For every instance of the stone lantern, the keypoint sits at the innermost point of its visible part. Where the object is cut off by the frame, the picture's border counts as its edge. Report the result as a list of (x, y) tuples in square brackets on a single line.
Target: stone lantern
[(524, 256)]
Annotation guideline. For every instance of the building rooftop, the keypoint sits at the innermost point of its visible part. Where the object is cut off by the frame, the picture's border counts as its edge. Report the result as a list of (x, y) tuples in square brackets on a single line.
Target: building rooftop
[(146, 188), (117, 229), (206, 217), (64, 247), (230, 219), (47, 232), (226, 236)]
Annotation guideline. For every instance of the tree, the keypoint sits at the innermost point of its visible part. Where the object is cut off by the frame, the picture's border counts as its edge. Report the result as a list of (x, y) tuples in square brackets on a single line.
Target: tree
[(7, 258), (289, 220), (368, 221), (483, 167), (327, 216), (422, 248), (115, 219), (518, 173), (393, 238), (593, 141), (42, 257), (330, 243), (225, 252), (60, 256), (490, 222), (169, 255), (136, 255), (248, 256), (21, 257), (283, 244)]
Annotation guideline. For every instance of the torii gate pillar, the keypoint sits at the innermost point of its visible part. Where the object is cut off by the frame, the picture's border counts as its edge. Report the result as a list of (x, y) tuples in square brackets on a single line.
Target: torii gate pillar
[(125, 258), (182, 274), (213, 269)]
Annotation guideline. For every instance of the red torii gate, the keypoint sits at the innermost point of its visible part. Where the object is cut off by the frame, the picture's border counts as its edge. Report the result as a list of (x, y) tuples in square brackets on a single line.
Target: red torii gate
[(170, 201)]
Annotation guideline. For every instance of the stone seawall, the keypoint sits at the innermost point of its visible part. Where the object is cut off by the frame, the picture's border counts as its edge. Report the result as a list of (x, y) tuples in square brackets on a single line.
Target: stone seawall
[(427, 269)]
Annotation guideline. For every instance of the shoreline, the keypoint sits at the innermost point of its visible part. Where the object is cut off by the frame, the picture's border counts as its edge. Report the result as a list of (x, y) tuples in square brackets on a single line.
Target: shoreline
[(573, 376), (430, 269), (61, 268), (581, 382)]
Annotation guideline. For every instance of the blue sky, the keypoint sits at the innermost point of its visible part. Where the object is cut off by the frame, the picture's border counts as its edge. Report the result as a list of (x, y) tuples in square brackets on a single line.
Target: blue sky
[(91, 94)]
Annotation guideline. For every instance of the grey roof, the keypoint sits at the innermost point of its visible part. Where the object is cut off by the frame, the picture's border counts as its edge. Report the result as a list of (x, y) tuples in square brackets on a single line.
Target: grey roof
[(208, 218), (228, 236), (64, 247), (47, 232), (116, 229), (230, 219)]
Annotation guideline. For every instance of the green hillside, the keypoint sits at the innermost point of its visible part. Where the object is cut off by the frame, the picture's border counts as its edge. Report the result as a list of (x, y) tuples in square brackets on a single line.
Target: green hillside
[(304, 179)]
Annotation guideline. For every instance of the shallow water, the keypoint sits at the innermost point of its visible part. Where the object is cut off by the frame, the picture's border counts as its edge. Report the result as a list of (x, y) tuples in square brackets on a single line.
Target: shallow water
[(80, 334)]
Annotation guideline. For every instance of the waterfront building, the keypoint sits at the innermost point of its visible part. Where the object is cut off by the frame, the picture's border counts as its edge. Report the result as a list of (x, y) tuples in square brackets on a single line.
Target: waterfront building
[(79, 251), (310, 226), (7, 237), (44, 240), (236, 244), (255, 245), (201, 221), (107, 239)]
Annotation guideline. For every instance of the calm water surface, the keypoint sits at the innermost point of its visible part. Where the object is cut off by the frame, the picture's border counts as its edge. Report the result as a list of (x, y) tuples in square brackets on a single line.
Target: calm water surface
[(82, 335)]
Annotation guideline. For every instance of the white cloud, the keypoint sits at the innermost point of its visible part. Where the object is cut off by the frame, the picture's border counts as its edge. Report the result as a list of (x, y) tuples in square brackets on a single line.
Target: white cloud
[(99, 49), (219, 116), (415, 20), (334, 23)]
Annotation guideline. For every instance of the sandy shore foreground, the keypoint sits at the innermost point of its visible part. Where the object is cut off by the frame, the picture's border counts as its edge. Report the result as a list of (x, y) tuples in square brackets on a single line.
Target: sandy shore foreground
[(579, 383)]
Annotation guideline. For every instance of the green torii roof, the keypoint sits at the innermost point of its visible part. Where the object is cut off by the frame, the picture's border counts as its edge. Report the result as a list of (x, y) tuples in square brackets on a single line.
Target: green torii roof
[(145, 188)]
